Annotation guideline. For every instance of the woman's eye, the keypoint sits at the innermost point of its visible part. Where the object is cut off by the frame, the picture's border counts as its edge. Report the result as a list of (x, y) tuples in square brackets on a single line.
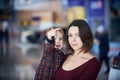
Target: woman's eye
[(69, 35), (77, 34)]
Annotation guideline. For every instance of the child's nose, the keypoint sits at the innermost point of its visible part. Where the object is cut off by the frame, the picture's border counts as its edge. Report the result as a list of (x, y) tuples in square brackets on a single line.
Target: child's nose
[(57, 41)]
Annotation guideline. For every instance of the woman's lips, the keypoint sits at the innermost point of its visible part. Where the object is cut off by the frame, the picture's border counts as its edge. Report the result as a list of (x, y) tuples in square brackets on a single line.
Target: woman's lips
[(74, 44)]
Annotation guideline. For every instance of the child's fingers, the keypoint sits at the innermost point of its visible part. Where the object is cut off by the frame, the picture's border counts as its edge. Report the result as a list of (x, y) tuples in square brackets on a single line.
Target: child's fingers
[(54, 32), (57, 29)]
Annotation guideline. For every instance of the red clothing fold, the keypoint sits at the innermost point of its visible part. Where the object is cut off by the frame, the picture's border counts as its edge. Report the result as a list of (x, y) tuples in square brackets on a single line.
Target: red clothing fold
[(87, 71)]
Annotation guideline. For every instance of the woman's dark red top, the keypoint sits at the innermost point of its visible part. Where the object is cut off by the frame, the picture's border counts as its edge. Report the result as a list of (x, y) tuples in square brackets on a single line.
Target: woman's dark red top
[(87, 71)]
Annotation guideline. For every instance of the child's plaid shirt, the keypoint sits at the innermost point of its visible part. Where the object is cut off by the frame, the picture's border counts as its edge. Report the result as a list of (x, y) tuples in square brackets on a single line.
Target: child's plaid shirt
[(52, 58)]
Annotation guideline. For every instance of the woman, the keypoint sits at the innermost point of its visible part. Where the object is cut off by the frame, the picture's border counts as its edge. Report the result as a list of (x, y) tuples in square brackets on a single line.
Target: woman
[(80, 64), (52, 55)]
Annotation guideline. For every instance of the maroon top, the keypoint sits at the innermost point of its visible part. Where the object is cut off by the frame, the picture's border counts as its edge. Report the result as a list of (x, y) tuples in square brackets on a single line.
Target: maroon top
[(87, 71)]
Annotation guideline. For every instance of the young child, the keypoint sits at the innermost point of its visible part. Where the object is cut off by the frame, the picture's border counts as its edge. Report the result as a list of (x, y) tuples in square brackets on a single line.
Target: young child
[(52, 55)]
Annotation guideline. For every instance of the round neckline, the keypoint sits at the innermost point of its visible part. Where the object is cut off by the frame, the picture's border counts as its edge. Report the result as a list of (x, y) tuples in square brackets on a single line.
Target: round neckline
[(78, 66)]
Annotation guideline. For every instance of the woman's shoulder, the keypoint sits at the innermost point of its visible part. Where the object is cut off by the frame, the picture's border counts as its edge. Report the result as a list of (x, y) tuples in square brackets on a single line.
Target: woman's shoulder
[(93, 59), (94, 62)]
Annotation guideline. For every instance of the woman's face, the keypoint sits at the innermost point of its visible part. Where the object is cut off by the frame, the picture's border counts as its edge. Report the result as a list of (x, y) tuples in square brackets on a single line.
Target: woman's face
[(74, 38), (58, 40)]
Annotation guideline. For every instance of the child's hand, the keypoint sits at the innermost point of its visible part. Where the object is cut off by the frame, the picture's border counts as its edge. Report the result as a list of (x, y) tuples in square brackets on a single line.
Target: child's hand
[(52, 32)]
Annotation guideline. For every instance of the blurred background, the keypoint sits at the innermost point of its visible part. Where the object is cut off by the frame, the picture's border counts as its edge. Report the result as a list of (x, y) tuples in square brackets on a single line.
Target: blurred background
[(23, 24)]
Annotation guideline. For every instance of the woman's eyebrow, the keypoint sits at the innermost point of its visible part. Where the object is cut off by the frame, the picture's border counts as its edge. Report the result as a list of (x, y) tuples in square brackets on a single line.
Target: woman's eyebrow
[(75, 33)]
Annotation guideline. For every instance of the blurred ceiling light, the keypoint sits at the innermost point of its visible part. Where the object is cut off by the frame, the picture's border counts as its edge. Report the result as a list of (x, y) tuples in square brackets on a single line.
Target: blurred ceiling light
[(25, 1)]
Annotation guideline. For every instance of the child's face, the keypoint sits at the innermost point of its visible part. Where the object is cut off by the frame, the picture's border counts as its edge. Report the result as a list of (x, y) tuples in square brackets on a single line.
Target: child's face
[(58, 40)]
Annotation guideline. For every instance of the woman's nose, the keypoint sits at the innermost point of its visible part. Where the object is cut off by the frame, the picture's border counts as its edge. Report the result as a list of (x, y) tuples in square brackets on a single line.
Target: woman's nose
[(73, 39)]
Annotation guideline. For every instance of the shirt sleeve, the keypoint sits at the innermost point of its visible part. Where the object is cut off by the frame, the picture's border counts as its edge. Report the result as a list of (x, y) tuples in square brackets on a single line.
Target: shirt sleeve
[(48, 45), (91, 71), (52, 41)]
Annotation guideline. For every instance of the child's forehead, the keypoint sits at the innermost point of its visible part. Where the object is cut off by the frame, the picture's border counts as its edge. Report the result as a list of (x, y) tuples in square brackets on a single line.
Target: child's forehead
[(59, 36)]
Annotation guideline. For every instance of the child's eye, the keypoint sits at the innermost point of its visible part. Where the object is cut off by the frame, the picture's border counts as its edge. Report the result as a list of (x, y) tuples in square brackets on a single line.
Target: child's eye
[(69, 35), (60, 38)]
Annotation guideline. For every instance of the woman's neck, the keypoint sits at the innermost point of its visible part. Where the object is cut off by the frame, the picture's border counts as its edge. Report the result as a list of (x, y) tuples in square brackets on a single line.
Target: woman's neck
[(78, 52)]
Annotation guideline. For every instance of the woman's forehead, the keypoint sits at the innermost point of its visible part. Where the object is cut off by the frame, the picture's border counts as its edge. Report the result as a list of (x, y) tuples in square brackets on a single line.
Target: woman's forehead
[(73, 29)]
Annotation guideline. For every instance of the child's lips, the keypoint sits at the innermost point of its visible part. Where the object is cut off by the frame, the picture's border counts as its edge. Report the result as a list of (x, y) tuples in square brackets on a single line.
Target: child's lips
[(57, 46)]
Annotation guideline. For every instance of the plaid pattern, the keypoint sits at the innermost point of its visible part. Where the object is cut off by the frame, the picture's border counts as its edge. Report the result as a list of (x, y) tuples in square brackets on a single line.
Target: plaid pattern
[(52, 58)]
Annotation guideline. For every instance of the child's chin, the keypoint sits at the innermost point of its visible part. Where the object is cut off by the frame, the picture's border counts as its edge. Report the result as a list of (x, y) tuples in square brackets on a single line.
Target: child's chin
[(58, 47)]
